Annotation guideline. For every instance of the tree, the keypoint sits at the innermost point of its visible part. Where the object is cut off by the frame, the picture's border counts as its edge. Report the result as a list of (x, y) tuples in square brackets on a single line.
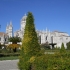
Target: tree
[(45, 45), (14, 40), (14, 44), (62, 50), (30, 41), (30, 45), (68, 45)]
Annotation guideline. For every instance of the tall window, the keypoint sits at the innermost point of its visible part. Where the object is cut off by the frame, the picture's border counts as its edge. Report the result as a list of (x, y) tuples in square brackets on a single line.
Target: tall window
[(46, 37), (39, 39), (5, 39), (0, 38), (52, 39)]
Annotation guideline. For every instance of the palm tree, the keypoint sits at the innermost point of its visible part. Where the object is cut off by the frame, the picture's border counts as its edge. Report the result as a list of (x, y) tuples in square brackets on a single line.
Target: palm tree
[(14, 40)]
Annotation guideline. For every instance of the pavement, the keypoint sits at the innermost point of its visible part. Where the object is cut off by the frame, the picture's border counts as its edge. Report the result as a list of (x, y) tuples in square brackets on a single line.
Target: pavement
[(9, 65)]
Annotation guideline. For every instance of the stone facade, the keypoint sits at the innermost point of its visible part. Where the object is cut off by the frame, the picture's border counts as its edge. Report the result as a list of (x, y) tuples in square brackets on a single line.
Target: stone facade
[(9, 30), (3, 38), (44, 36), (58, 37), (20, 32)]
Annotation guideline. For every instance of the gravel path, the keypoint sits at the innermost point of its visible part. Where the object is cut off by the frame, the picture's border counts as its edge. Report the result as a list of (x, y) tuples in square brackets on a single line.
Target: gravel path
[(9, 65)]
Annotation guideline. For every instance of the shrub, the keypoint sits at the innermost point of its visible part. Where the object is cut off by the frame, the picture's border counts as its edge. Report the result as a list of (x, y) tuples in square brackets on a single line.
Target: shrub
[(9, 54), (30, 45), (51, 62), (45, 46), (13, 46), (68, 45), (62, 50)]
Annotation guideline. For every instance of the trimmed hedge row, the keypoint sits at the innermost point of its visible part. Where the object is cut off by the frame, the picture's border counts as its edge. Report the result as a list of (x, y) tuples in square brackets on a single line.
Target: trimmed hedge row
[(51, 62), (58, 61), (9, 54)]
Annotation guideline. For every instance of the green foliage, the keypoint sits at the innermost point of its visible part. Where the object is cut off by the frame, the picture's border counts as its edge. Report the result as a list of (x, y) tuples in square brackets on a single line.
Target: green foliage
[(14, 40), (45, 46), (30, 45), (30, 41), (14, 44), (40, 63), (31, 57), (57, 48), (24, 64), (52, 62), (9, 58), (8, 54), (62, 50), (14, 47), (68, 45)]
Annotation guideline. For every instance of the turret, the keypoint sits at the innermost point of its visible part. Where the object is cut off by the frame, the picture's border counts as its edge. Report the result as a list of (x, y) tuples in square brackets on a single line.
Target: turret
[(9, 30)]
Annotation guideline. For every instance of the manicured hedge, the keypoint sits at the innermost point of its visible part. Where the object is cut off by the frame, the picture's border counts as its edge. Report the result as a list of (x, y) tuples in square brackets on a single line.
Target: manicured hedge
[(52, 62), (9, 54)]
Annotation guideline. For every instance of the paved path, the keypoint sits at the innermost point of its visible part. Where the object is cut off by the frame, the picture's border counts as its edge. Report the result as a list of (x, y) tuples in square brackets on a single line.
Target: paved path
[(9, 65)]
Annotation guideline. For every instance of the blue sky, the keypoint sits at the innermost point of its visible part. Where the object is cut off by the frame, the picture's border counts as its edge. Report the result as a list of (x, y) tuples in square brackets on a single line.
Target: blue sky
[(50, 14)]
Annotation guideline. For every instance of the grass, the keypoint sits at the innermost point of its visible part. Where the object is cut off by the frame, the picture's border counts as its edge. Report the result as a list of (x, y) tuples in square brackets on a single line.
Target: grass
[(14, 56), (9, 58), (55, 50)]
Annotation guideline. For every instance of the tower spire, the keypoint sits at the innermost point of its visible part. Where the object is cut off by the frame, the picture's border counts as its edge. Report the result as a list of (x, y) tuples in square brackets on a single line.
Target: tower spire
[(10, 23)]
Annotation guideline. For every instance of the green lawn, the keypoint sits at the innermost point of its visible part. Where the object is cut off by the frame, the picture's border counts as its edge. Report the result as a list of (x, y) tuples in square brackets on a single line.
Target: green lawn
[(9, 58), (13, 57)]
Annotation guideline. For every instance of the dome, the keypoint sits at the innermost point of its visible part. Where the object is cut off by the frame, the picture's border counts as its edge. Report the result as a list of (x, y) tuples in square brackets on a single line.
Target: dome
[(24, 18)]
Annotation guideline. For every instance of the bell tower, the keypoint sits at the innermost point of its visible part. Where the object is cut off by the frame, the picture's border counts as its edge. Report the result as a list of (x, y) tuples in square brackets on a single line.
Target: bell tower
[(9, 30)]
